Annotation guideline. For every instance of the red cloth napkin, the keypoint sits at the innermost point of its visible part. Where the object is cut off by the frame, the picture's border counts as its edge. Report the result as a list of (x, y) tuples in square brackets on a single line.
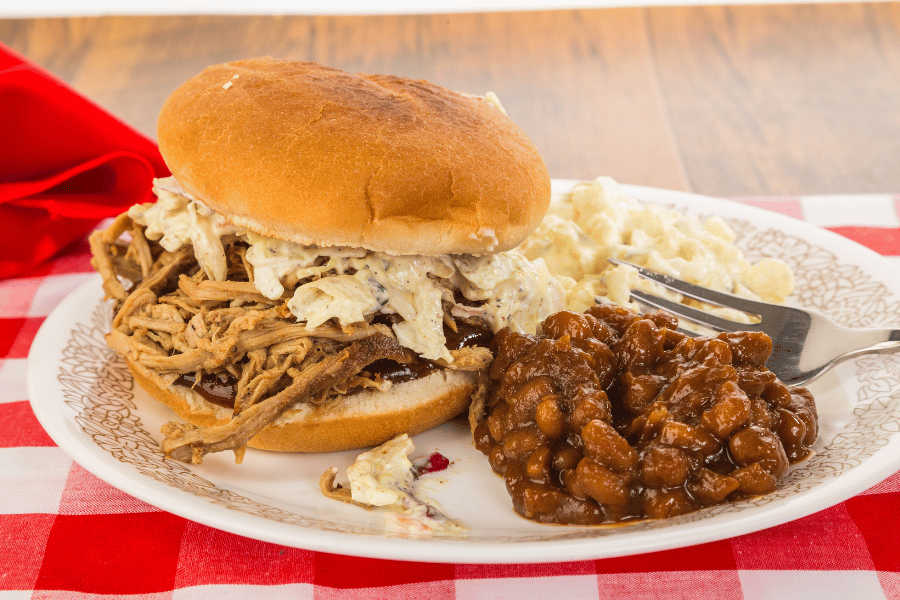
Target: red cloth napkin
[(65, 164)]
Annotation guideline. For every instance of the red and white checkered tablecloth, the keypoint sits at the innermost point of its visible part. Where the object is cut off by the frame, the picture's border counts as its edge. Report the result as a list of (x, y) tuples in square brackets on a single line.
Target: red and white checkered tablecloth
[(66, 534)]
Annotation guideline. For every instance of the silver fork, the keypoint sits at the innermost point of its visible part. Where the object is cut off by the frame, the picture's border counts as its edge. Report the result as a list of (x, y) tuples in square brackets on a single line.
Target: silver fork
[(805, 343)]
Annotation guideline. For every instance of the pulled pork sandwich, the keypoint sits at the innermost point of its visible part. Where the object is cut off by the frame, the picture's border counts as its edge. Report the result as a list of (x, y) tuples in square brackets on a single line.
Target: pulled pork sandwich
[(328, 263)]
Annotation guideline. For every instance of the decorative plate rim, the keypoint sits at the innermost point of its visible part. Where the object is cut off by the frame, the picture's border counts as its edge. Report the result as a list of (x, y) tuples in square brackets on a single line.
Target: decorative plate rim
[(99, 393)]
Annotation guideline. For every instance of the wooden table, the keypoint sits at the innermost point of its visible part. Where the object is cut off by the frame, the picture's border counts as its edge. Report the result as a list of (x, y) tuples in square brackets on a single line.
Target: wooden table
[(717, 100)]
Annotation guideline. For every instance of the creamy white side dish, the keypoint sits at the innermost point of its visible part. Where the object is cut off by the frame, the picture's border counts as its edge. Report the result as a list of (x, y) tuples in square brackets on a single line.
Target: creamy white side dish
[(563, 264), (597, 220), (384, 477), (349, 284)]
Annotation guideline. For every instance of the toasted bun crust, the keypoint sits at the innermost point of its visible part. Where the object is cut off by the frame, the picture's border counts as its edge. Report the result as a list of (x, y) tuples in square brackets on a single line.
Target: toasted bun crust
[(315, 155), (365, 419)]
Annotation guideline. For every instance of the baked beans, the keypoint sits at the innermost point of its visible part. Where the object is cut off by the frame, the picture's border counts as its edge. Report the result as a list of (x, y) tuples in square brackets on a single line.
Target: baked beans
[(611, 416)]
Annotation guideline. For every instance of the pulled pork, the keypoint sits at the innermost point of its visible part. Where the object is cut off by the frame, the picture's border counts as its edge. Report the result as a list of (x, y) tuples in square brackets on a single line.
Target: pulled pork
[(170, 318)]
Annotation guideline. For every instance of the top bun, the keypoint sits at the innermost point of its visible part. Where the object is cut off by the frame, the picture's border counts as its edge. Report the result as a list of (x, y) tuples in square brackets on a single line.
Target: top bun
[(311, 154)]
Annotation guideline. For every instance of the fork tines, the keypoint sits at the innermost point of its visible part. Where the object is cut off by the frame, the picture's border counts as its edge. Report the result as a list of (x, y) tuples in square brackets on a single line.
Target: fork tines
[(701, 294)]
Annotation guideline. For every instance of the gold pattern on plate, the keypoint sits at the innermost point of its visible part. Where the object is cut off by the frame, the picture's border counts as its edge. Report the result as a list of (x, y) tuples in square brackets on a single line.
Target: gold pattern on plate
[(98, 386)]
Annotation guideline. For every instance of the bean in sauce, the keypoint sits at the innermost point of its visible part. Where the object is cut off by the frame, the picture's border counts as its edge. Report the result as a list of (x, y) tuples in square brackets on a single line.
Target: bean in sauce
[(611, 416)]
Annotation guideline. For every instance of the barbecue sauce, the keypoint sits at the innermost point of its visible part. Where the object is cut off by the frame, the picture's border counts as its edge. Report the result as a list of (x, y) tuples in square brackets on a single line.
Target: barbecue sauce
[(221, 388), (467, 335), (218, 388)]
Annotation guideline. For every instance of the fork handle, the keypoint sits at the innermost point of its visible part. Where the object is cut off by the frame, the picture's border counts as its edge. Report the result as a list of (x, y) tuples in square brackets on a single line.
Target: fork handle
[(866, 341)]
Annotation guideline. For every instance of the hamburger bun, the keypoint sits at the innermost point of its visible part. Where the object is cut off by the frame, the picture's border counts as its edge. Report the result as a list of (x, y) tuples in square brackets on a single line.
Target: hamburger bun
[(367, 418), (309, 154), (318, 156)]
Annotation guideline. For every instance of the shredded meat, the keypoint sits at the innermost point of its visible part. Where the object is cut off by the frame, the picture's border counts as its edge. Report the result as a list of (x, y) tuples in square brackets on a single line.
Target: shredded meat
[(474, 358), (336, 492), (186, 442), (171, 318), (139, 249), (105, 250), (220, 291), (478, 405)]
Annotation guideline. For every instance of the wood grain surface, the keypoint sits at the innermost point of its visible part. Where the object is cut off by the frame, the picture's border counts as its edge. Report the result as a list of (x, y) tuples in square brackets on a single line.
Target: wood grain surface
[(720, 100)]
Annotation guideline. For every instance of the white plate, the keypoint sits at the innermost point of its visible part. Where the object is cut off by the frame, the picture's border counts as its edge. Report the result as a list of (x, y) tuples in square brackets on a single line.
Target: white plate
[(87, 402)]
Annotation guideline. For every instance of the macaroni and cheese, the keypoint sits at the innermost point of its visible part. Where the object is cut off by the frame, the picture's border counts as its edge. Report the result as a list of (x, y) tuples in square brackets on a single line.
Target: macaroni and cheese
[(597, 220)]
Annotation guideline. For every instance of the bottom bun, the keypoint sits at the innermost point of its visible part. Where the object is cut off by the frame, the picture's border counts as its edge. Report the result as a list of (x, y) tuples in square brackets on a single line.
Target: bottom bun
[(367, 418)]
